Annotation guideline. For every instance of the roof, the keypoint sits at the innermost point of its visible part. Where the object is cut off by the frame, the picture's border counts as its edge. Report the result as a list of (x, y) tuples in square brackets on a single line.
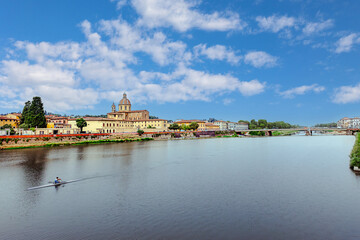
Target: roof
[(114, 113), (211, 125), (190, 121), (115, 120), (147, 120), (7, 118)]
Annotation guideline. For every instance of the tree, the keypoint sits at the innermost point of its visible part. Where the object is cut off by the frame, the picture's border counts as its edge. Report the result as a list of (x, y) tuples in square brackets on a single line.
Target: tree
[(36, 115), (81, 123), (194, 126), (244, 121), (153, 117), (174, 126), (8, 126), (262, 123), (25, 113), (24, 126), (140, 132), (185, 127)]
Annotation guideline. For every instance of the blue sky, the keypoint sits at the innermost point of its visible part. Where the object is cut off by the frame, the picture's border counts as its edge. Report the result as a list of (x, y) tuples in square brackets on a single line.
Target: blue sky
[(290, 60)]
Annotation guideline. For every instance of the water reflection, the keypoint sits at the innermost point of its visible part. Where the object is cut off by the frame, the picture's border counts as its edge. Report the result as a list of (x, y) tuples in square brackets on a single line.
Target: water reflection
[(260, 188)]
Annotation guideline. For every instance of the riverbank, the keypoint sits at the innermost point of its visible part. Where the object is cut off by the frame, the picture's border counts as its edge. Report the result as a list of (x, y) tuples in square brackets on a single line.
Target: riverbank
[(15, 143), (355, 154)]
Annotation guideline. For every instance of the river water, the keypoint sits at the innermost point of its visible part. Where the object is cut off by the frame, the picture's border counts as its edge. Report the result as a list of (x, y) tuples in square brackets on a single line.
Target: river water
[(296, 187)]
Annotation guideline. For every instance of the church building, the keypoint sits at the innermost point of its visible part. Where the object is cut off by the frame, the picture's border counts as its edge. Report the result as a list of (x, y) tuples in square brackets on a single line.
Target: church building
[(125, 112), (123, 120)]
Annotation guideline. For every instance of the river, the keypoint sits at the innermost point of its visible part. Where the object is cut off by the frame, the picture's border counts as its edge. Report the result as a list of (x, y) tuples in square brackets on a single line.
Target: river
[(296, 187)]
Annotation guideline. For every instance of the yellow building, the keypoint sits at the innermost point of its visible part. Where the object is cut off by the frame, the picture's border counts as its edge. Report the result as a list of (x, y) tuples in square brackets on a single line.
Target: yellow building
[(6, 120), (14, 115), (122, 121), (188, 122), (211, 127), (125, 112)]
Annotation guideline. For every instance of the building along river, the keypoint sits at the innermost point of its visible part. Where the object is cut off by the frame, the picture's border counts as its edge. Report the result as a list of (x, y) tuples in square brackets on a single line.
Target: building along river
[(294, 187)]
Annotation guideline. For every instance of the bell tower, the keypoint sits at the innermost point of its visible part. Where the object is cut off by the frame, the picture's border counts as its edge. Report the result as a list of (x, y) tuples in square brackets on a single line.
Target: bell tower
[(113, 108)]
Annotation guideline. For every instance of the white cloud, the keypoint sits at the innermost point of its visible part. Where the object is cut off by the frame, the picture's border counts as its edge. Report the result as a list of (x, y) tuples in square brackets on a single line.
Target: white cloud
[(260, 59), (187, 84), (75, 75), (316, 27), (347, 94), (275, 23), (227, 101), (291, 93), (20, 74), (217, 52), (130, 39), (345, 44), (252, 87), (120, 3), (43, 50), (63, 98), (183, 16)]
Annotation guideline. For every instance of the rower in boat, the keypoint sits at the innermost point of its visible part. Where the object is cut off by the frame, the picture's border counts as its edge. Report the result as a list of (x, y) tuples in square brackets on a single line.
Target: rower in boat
[(57, 180)]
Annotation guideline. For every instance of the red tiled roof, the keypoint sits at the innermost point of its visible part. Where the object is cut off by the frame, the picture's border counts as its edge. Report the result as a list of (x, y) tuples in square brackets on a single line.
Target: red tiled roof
[(190, 121), (7, 118), (114, 113)]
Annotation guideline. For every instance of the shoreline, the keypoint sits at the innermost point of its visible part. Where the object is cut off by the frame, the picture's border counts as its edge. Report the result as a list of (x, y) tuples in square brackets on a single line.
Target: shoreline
[(60, 141), (86, 142)]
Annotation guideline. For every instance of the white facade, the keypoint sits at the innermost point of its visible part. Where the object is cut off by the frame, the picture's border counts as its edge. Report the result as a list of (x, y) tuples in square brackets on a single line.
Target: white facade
[(349, 123), (234, 126), (222, 125)]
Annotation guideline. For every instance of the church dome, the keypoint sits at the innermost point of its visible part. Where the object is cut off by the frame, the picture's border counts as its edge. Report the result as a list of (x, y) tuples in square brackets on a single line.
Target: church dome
[(124, 101)]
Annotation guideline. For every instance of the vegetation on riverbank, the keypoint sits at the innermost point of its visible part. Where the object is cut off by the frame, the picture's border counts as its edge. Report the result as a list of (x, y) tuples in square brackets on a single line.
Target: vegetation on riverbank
[(283, 133), (355, 153), (58, 144)]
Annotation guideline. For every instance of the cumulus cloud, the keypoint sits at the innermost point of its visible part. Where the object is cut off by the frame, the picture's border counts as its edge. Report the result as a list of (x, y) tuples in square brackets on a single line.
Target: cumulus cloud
[(188, 84), (275, 23), (73, 75), (182, 15), (347, 94), (260, 59), (316, 27), (291, 93), (217, 52), (346, 43)]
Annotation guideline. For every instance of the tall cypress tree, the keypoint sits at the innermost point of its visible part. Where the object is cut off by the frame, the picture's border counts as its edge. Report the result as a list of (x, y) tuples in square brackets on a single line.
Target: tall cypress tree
[(37, 114), (25, 113)]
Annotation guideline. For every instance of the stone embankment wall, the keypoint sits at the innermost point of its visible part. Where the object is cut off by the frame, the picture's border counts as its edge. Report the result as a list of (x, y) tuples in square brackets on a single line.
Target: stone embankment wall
[(47, 140)]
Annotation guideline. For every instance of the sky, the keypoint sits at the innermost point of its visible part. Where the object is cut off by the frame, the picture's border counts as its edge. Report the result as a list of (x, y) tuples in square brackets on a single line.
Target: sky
[(281, 60)]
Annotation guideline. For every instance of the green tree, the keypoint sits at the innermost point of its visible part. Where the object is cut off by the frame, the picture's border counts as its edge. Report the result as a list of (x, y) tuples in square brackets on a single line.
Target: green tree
[(36, 115), (262, 123), (81, 123), (140, 132), (25, 113), (194, 126), (24, 126), (244, 121), (185, 127), (8, 126), (174, 126)]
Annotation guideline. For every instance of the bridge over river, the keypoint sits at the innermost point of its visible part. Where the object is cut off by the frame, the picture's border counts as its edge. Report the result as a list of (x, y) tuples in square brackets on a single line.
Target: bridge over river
[(308, 131)]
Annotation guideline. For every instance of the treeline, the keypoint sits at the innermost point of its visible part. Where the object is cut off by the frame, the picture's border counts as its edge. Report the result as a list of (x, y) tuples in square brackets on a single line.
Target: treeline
[(327, 125), (191, 126), (262, 124)]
